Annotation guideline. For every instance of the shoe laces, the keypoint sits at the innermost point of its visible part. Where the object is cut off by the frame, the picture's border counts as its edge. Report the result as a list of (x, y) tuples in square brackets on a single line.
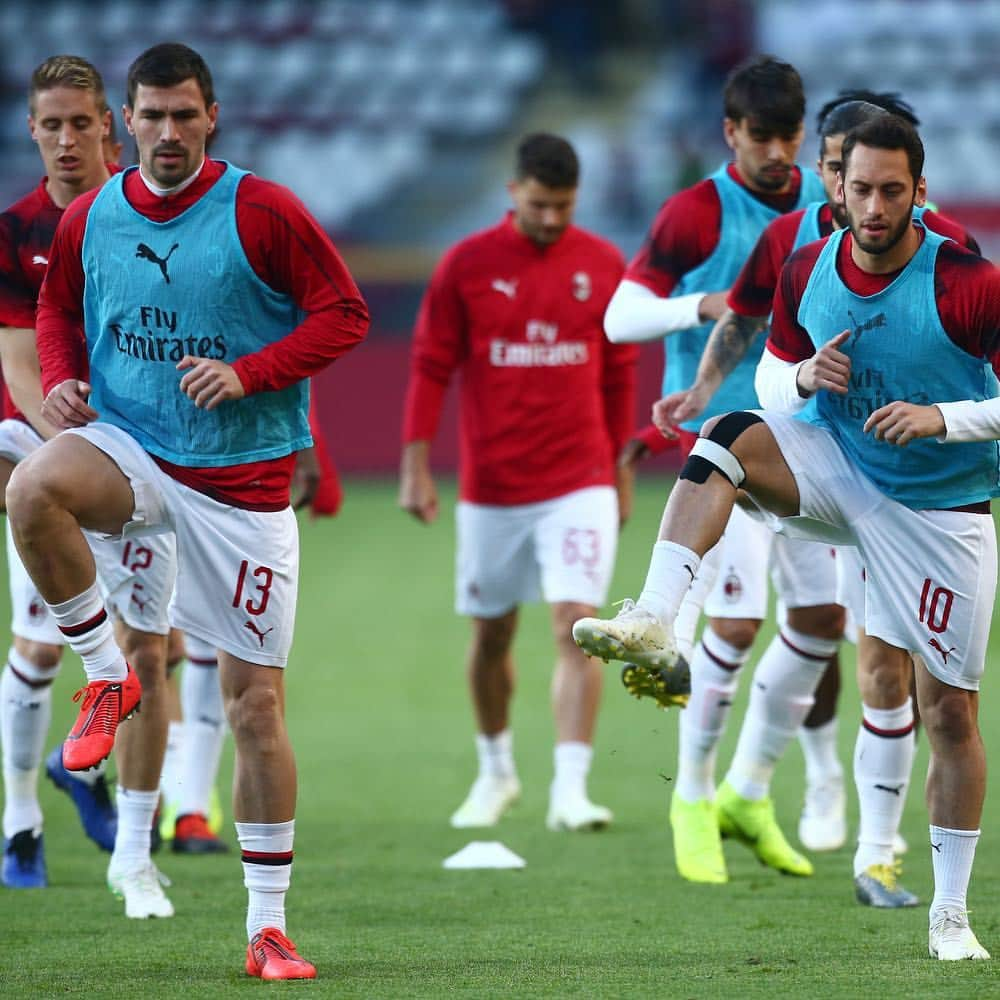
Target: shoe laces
[(958, 919), (105, 716), (887, 875), (272, 937), (148, 879), (193, 826), (626, 606)]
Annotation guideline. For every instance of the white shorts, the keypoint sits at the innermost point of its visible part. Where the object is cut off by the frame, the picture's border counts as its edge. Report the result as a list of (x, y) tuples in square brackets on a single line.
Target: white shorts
[(557, 550), (803, 573), (930, 575), (237, 570), (136, 577)]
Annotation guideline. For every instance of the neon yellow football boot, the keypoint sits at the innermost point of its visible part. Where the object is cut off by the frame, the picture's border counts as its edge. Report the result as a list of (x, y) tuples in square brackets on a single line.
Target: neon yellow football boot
[(697, 844), (752, 822)]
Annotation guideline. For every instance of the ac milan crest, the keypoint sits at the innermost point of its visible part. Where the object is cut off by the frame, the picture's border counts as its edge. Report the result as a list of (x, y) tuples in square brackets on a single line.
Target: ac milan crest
[(581, 286)]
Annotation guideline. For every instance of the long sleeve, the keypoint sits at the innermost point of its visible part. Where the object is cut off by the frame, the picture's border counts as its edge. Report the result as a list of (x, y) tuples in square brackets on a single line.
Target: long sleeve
[(439, 345)]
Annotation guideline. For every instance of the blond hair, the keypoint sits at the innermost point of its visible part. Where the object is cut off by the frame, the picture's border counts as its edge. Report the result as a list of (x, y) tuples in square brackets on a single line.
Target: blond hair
[(67, 71)]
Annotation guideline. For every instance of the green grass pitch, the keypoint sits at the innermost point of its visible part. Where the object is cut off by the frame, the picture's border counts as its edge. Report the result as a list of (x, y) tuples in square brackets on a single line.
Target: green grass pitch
[(383, 733)]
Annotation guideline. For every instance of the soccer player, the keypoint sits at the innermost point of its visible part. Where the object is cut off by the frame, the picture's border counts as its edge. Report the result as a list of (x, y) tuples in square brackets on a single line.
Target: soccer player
[(136, 579), (822, 825), (68, 118), (677, 286), (546, 404), (206, 298), (874, 462)]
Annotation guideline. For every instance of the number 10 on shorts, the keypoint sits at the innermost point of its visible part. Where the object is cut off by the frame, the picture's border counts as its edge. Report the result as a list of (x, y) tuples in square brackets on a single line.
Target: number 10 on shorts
[(935, 606)]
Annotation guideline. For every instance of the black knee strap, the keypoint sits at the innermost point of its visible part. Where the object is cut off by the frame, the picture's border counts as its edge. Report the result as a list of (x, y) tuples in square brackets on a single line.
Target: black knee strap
[(711, 454)]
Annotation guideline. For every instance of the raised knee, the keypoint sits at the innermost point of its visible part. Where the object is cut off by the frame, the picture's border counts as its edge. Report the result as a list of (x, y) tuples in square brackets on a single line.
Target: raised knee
[(27, 492), (712, 452)]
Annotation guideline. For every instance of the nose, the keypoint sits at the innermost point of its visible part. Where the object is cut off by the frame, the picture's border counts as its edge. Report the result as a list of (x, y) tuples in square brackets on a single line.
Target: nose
[(168, 130), (876, 204), (67, 134), (777, 149)]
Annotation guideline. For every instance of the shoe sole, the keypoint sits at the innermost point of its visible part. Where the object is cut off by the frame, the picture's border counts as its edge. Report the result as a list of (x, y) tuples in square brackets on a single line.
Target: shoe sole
[(669, 687), (198, 847), (865, 899), (606, 647)]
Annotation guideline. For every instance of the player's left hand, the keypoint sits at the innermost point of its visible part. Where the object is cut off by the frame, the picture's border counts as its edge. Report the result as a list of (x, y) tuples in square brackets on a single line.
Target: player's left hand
[(208, 382), (900, 423), (306, 478)]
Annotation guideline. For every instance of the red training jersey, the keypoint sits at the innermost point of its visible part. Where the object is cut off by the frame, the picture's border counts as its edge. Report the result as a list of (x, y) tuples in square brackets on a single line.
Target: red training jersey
[(546, 400), (26, 231), (287, 250), (966, 290), (753, 291)]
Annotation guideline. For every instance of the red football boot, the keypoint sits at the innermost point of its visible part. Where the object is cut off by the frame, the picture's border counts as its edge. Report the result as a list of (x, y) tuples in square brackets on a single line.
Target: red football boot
[(271, 955), (192, 836), (105, 704)]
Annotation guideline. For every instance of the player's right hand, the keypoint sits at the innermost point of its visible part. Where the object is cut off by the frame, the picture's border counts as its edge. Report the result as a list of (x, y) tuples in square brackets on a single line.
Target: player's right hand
[(66, 405), (829, 368), (686, 404), (418, 495)]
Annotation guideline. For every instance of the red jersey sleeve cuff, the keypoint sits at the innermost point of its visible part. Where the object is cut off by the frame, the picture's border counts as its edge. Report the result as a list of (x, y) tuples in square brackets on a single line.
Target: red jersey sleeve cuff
[(651, 437)]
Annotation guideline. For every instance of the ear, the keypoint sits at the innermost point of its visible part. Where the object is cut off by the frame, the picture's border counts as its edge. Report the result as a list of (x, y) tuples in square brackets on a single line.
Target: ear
[(32, 128), (127, 116), (838, 194), (106, 124), (213, 116), (920, 195), (729, 127)]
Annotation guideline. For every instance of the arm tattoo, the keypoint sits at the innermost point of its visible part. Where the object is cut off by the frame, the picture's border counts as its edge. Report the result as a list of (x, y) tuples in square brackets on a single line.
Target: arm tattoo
[(731, 339)]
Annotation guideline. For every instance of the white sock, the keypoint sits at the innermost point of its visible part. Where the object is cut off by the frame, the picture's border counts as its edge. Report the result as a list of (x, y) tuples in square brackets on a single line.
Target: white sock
[(572, 765), (87, 628), (686, 622), (952, 853), (267, 872), (784, 684), (135, 819), (883, 760), (496, 755), (204, 734), (170, 776), (672, 569), (819, 747), (715, 669), (25, 713)]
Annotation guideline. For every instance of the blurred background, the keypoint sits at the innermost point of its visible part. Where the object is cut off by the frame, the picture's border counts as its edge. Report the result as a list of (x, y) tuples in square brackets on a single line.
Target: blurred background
[(396, 120)]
